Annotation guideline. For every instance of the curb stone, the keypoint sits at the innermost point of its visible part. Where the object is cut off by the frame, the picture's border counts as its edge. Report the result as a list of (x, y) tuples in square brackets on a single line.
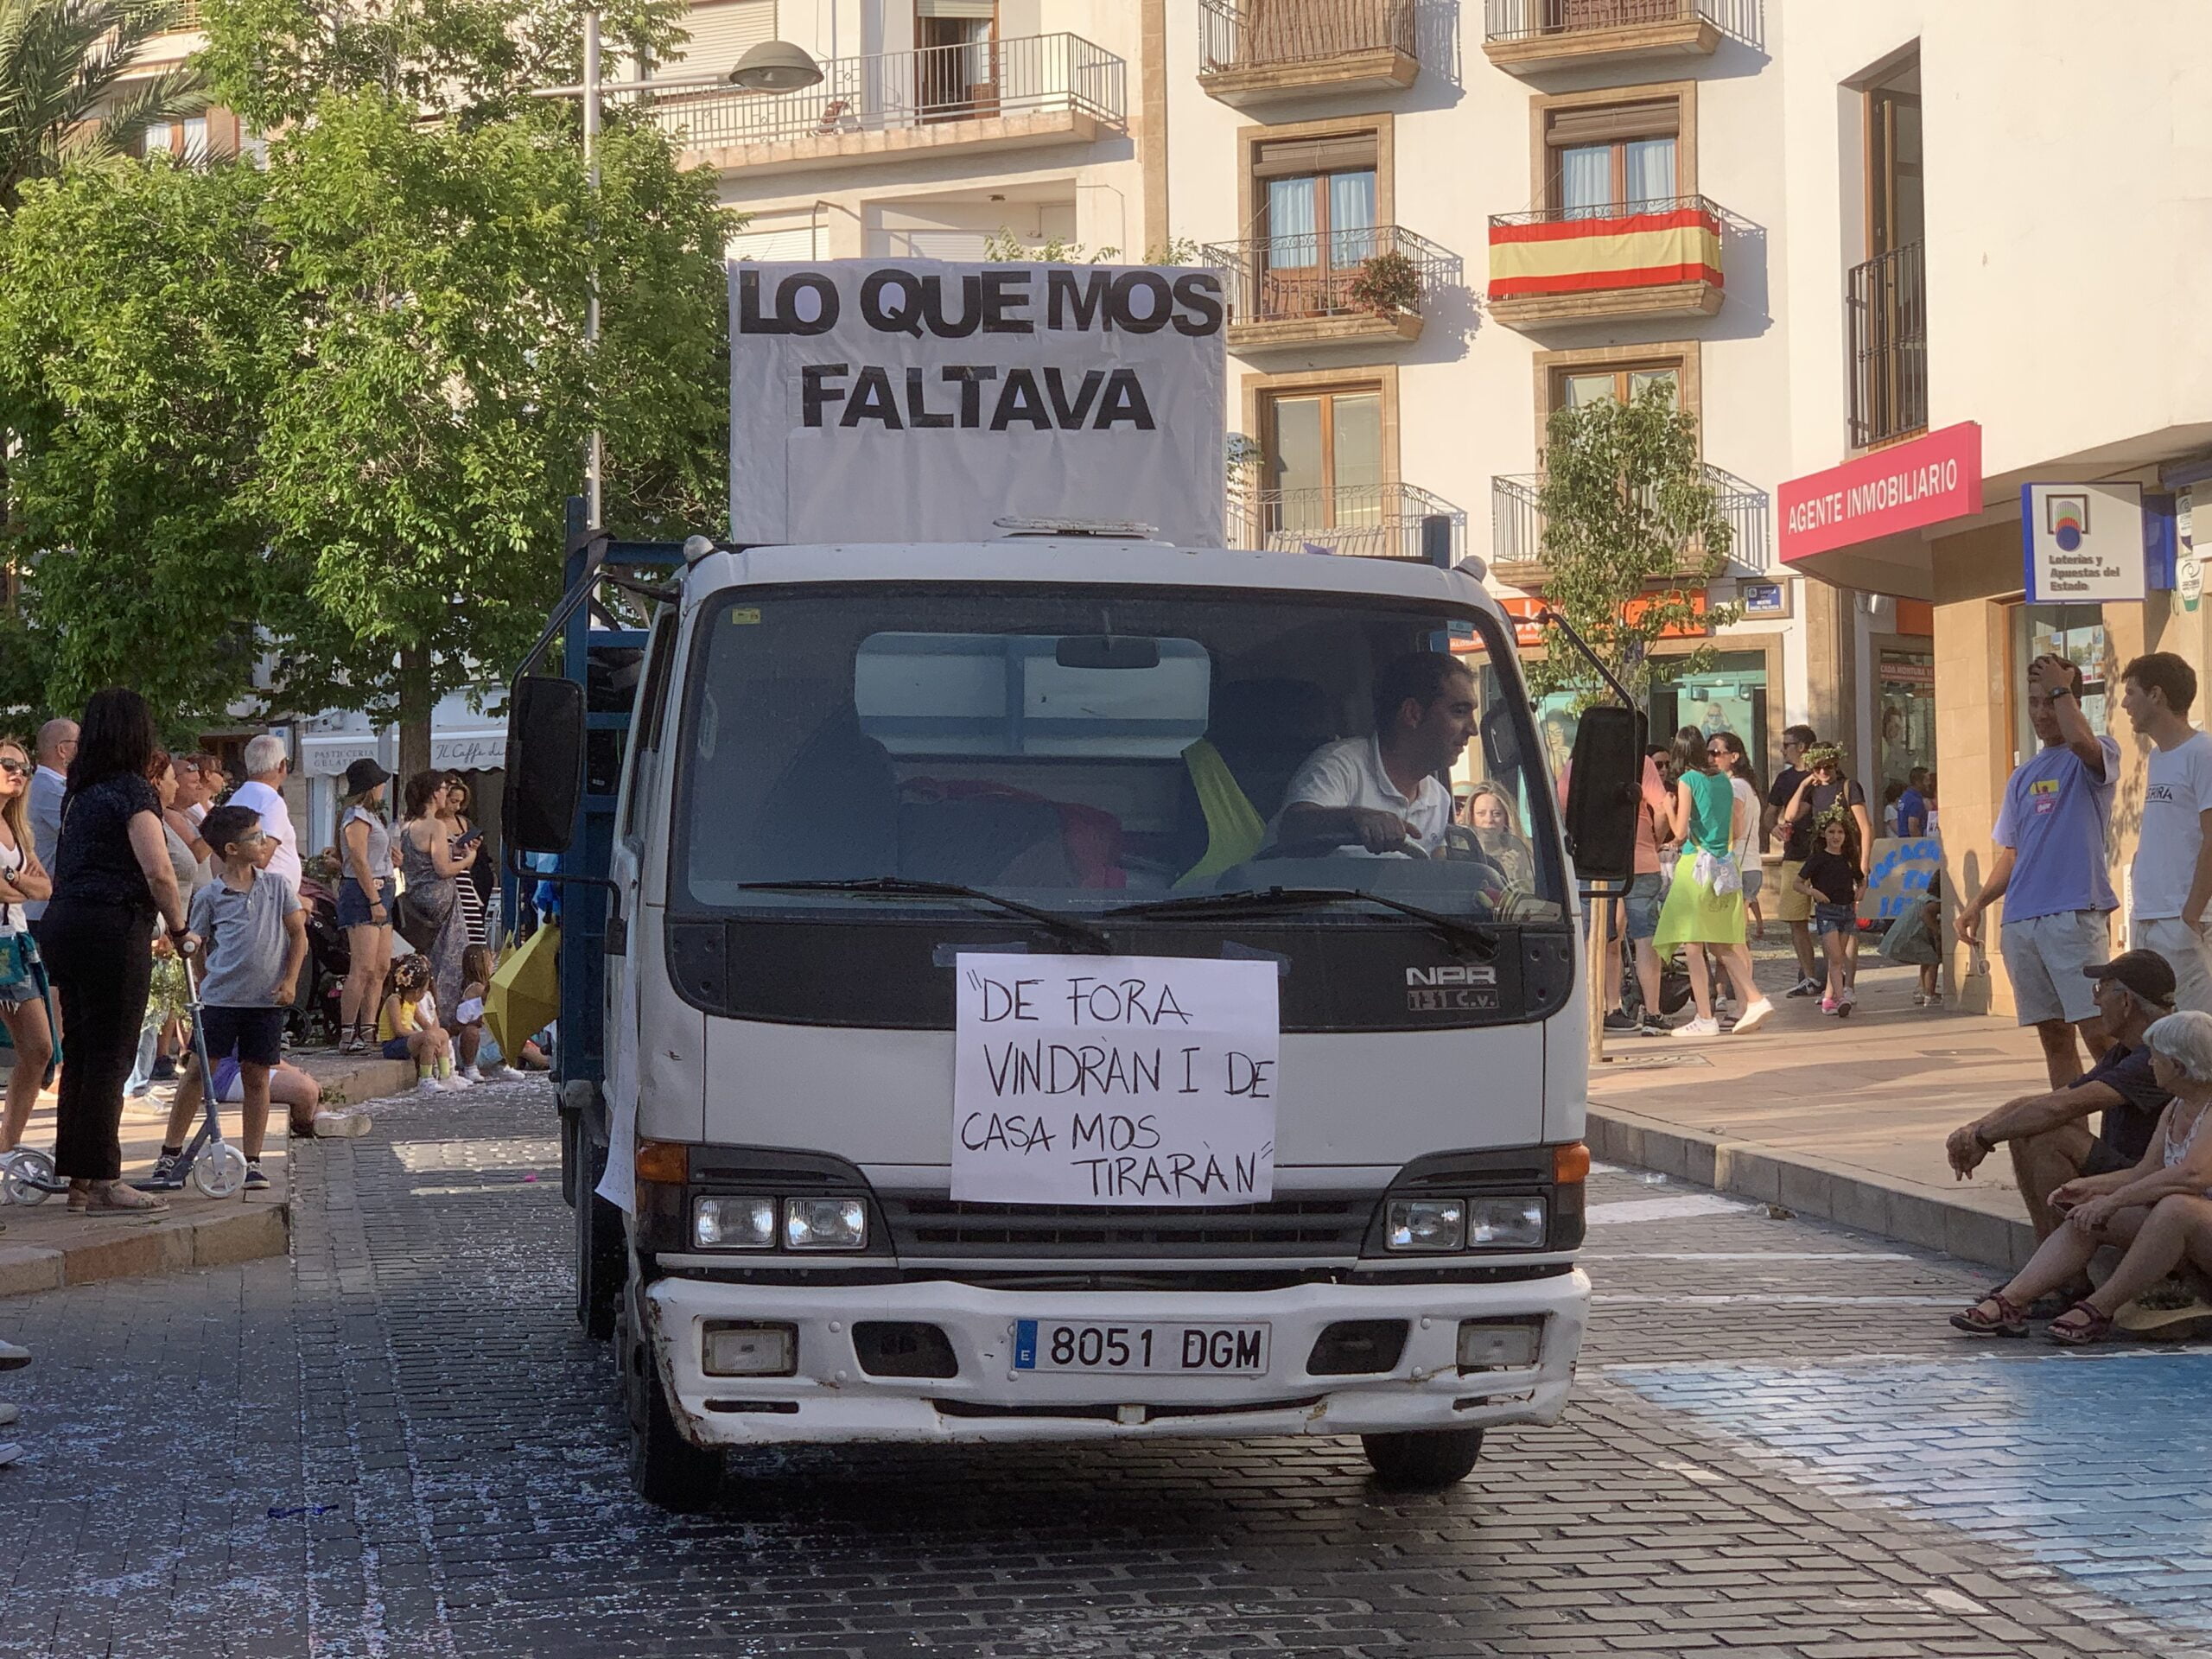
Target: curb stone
[(1812, 1186)]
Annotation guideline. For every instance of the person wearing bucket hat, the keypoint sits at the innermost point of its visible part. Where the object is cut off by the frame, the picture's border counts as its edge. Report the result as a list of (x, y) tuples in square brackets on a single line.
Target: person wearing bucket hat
[(365, 898), (2048, 1134)]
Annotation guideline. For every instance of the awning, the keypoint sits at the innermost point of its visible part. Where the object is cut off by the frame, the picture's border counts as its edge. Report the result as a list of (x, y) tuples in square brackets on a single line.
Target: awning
[(1861, 524), (328, 755)]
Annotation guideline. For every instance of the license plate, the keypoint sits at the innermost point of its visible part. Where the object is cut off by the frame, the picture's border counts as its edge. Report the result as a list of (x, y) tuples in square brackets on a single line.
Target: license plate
[(1180, 1349)]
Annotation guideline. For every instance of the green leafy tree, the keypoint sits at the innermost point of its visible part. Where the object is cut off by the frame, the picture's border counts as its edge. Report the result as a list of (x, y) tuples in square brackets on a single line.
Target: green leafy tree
[(67, 89), (1632, 533)]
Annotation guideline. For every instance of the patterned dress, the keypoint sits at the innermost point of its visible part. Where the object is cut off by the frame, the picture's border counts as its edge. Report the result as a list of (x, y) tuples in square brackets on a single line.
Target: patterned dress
[(437, 892)]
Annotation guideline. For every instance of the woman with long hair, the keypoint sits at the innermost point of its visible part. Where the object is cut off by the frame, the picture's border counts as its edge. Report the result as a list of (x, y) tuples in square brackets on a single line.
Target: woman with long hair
[(169, 993), (1497, 828), (1705, 904), (366, 898), (23, 976), (1727, 752), (468, 891), (112, 878), (431, 867)]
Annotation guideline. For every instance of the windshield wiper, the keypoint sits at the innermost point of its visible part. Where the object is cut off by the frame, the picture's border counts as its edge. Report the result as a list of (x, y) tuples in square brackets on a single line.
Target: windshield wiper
[(1483, 941), (899, 887)]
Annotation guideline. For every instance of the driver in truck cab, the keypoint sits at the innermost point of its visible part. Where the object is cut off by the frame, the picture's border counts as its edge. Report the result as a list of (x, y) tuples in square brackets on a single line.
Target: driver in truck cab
[(1384, 795)]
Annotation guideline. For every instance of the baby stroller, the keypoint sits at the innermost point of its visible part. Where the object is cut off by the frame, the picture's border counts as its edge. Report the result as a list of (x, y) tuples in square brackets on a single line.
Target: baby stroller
[(315, 1015)]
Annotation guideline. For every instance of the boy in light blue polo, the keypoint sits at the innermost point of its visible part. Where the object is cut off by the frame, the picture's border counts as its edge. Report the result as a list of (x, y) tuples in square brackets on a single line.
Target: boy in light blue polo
[(2050, 869)]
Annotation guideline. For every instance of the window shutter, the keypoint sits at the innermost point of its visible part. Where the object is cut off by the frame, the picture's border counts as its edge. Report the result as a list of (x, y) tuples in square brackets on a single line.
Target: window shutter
[(792, 241), (970, 10), (721, 31), (1607, 123), (1296, 157)]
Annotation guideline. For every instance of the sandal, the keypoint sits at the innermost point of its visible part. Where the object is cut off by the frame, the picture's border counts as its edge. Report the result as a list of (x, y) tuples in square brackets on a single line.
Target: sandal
[(119, 1199), (2094, 1327), (2010, 1320)]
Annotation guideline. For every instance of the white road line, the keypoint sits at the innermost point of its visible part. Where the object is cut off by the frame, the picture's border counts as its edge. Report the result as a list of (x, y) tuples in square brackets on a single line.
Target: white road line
[(1742, 1256), (1694, 1203)]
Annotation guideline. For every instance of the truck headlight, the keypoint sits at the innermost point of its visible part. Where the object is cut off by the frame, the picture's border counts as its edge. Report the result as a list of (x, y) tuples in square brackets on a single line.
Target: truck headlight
[(825, 1223), (1425, 1224), (1516, 1219), (743, 1348), (727, 1223)]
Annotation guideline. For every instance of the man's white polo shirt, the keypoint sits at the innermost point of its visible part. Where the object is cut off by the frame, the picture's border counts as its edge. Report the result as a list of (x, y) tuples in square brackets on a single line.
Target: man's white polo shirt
[(1349, 772)]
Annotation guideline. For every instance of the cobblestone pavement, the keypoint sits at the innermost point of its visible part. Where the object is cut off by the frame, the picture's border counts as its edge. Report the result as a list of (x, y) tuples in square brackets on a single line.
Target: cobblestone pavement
[(395, 1443)]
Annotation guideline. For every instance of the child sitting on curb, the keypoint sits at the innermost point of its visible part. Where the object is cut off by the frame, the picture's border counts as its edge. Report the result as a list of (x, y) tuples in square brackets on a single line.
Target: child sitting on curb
[(408, 1026), (470, 1039)]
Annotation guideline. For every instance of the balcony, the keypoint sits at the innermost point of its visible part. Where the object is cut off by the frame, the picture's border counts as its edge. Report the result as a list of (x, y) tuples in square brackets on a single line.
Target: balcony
[(1887, 302), (1649, 260), (1538, 34), (1370, 521), (1256, 51), (1325, 288), (1038, 89), (1516, 527)]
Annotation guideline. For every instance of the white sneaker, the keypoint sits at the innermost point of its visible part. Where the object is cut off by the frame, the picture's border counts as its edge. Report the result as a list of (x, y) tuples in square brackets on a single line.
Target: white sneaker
[(469, 1074), (1754, 1016), (1698, 1028), (428, 1086), (507, 1074), (340, 1125)]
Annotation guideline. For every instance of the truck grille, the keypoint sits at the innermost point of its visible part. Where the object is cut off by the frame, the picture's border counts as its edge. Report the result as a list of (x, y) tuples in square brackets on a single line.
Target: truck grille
[(1312, 1224)]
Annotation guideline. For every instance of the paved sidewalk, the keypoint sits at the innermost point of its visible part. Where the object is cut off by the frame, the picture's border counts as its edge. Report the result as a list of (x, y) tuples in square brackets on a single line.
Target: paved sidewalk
[(43, 1246), (1844, 1119)]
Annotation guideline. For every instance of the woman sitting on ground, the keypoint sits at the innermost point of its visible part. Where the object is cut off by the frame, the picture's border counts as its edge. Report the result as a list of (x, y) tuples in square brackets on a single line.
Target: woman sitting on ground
[(2161, 1210)]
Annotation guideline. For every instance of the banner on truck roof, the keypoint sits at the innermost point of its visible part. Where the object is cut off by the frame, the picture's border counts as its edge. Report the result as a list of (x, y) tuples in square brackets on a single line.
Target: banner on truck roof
[(1114, 1080), (920, 400)]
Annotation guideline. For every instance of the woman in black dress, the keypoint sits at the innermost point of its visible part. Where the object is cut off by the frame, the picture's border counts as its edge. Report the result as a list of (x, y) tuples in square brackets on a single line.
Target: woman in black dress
[(111, 877)]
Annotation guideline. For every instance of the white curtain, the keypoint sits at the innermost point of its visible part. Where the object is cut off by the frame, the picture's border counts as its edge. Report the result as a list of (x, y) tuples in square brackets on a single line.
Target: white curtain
[(1292, 224), (1585, 180), (1650, 169), (1352, 216)]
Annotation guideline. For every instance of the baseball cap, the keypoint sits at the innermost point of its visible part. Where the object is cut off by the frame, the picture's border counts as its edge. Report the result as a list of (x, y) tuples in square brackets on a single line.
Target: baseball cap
[(364, 773), (2144, 972)]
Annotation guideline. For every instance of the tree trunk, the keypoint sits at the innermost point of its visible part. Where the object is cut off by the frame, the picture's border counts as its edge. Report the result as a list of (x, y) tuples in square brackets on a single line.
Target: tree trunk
[(415, 701)]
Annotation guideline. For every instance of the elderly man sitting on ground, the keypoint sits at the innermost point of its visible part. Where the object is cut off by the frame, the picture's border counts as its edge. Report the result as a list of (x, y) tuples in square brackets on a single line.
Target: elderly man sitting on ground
[(2049, 1134)]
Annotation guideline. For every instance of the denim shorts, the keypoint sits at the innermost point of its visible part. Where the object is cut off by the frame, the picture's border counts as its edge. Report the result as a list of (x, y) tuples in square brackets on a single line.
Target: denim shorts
[(1643, 901), (353, 904), (1834, 918)]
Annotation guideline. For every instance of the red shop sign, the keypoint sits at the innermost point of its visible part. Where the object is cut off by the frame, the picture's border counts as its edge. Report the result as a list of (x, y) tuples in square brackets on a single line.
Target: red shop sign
[(1902, 488)]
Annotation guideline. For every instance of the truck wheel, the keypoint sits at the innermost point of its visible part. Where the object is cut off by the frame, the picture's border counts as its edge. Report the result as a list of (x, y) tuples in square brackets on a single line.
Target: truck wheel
[(667, 1469), (1426, 1460), (601, 1259)]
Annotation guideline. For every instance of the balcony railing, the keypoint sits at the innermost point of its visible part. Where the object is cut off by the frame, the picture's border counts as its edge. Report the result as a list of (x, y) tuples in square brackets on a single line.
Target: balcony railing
[(1555, 259), (1517, 523), (1525, 20), (1035, 74), (184, 17), (1266, 33), (1887, 302), (1374, 521), (1317, 275)]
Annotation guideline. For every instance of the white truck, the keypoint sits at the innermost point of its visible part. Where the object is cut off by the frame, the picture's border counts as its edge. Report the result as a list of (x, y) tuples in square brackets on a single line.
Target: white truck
[(852, 771)]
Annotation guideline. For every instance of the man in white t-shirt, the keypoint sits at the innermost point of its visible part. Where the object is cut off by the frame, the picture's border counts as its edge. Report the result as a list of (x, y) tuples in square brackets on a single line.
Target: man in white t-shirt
[(267, 765), (2172, 878), (1382, 795)]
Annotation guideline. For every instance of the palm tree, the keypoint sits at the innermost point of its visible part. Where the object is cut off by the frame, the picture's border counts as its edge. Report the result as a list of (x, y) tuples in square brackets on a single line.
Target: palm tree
[(67, 92)]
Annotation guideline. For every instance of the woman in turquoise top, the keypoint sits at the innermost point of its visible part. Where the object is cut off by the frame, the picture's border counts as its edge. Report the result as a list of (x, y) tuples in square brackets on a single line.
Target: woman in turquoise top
[(1705, 903)]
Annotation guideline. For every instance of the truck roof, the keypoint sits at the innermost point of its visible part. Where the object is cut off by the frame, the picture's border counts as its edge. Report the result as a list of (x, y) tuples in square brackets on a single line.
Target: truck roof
[(1085, 559)]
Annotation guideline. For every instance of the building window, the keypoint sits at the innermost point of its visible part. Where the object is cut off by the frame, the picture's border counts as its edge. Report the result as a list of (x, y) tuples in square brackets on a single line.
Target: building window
[(186, 140), (1897, 211), (959, 70), (1729, 695), (2075, 633), (1318, 210), (1324, 458), (1605, 158), (1908, 692), (1574, 388)]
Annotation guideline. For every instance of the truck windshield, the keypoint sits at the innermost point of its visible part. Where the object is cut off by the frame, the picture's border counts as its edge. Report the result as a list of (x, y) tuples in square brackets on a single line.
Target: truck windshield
[(1086, 749)]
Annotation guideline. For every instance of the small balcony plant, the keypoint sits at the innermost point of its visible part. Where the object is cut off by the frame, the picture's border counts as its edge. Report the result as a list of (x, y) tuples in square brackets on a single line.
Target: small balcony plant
[(1388, 283)]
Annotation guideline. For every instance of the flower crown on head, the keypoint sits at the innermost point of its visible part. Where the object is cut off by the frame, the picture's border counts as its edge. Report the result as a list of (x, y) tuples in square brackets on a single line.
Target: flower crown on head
[(1822, 754)]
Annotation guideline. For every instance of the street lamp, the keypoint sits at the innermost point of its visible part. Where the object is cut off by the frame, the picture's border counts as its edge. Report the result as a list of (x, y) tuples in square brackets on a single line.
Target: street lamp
[(776, 66)]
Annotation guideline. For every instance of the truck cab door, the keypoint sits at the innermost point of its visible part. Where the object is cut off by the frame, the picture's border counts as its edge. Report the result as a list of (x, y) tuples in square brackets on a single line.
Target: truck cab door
[(634, 815)]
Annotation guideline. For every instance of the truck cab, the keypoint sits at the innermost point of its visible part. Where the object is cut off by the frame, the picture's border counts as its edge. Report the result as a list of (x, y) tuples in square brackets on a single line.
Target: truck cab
[(848, 768)]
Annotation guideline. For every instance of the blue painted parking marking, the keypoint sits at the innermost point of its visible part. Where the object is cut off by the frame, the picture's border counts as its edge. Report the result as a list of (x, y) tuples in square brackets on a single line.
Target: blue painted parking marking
[(2095, 1465), (1025, 1346)]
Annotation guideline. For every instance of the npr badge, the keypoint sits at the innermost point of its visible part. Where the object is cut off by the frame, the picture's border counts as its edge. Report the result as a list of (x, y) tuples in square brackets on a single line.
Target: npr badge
[(1452, 987)]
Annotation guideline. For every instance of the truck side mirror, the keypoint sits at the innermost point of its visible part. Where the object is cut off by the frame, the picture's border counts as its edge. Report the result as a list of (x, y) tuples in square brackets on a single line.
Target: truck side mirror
[(1602, 792), (545, 764)]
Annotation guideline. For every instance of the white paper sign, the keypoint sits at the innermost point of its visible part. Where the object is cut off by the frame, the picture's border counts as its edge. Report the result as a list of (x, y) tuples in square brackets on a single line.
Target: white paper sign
[(1115, 1080), (919, 400)]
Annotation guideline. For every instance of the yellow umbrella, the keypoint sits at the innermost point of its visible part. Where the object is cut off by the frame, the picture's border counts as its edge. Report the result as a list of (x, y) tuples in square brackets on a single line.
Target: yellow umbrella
[(526, 993)]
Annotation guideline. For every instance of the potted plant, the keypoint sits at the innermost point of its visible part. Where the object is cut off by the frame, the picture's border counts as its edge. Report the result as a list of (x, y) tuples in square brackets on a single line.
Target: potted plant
[(1388, 283)]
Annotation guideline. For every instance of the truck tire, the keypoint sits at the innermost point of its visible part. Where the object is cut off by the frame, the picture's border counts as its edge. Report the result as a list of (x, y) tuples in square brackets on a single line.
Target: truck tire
[(602, 1260), (666, 1470), (1425, 1460)]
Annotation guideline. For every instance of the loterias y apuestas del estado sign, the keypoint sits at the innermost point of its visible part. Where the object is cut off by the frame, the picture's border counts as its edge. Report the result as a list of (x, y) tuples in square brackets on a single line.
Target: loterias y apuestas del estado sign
[(1902, 488)]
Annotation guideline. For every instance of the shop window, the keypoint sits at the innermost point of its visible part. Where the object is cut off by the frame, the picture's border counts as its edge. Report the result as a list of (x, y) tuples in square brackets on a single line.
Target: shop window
[(1908, 702), (1727, 695), (2075, 633), (1607, 158), (1325, 458)]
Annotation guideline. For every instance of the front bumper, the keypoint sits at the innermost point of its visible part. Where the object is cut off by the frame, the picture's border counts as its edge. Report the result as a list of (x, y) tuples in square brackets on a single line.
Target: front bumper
[(832, 1399)]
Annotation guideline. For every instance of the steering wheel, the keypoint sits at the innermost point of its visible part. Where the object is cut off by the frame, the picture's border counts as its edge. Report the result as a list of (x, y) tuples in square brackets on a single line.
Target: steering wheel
[(1322, 846), (1462, 846)]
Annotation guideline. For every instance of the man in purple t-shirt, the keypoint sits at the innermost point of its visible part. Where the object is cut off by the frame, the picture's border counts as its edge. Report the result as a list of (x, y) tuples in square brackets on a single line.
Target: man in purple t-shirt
[(2050, 869)]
